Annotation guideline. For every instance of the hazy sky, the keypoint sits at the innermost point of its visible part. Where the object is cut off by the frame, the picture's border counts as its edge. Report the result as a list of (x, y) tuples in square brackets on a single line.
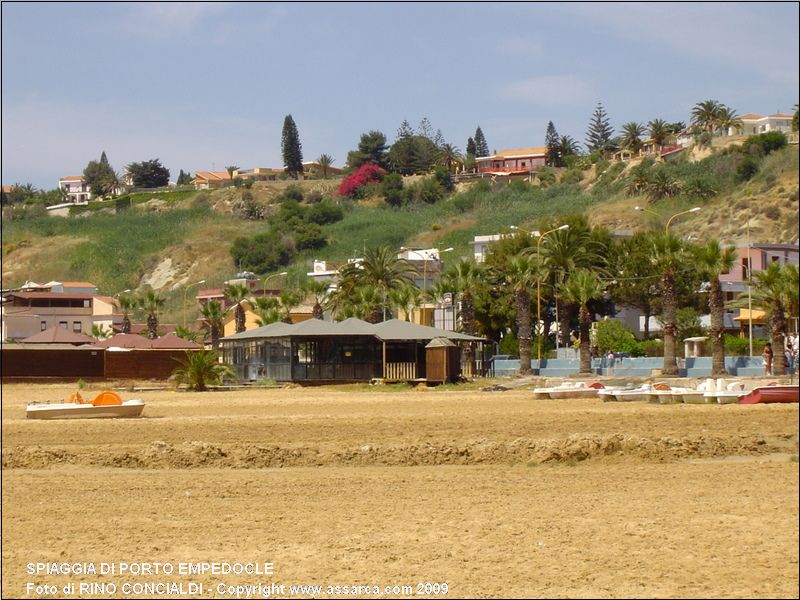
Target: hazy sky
[(203, 86)]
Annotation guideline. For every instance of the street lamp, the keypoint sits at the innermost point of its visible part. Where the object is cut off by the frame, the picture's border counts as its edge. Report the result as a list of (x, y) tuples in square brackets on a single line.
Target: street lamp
[(683, 212), (118, 294), (268, 277), (539, 290), (185, 290)]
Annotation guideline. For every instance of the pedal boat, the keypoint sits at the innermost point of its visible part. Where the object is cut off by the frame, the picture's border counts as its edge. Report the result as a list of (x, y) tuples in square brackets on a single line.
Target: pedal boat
[(106, 405)]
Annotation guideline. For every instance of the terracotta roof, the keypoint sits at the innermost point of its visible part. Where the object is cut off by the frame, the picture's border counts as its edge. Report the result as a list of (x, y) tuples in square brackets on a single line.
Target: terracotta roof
[(781, 116), (125, 340), (58, 335), (209, 293), (7, 188), (72, 178), (51, 296), (139, 342), (78, 284), (138, 328), (107, 299), (751, 117), (533, 151), (212, 175), (172, 342)]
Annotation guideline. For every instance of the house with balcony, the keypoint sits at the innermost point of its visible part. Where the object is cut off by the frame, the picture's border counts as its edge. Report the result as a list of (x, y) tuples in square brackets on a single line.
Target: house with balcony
[(754, 124), (76, 189), (514, 161), (25, 312)]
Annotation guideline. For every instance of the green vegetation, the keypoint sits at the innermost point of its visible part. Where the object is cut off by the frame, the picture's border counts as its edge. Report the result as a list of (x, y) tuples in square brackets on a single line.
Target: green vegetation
[(200, 369)]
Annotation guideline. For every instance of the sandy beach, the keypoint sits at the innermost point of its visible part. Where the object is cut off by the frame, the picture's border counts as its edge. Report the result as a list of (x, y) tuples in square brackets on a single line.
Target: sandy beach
[(494, 494)]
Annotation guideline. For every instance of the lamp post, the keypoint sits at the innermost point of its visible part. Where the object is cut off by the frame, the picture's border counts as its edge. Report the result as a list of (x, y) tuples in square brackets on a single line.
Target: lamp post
[(539, 290), (268, 277), (749, 289), (185, 290), (683, 212)]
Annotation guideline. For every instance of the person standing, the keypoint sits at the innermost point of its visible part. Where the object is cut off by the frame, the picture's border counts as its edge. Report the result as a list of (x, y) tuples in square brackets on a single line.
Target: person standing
[(767, 354)]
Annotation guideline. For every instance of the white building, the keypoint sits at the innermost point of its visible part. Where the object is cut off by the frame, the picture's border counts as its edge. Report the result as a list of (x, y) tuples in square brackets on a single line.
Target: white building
[(76, 188), (753, 124)]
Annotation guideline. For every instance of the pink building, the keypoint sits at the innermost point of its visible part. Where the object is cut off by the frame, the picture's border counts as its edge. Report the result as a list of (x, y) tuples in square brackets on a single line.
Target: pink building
[(516, 160), (760, 255)]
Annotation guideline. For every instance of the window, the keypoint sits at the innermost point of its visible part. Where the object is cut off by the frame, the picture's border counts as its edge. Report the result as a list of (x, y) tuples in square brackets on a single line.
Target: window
[(44, 325), (62, 324), (744, 269), (76, 326), (776, 259)]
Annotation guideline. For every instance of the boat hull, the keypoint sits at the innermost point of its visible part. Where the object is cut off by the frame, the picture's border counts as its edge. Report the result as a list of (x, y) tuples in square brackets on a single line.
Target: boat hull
[(772, 394), (131, 408)]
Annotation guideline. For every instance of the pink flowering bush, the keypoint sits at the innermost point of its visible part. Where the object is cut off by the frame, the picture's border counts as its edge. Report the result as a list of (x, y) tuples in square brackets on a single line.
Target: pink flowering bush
[(352, 185)]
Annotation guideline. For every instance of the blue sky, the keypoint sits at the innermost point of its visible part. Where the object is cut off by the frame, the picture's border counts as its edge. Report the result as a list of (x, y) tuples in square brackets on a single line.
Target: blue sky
[(203, 86)]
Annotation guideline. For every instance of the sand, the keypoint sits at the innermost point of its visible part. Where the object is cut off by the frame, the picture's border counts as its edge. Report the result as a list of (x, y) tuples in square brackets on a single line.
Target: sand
[(495, 494)]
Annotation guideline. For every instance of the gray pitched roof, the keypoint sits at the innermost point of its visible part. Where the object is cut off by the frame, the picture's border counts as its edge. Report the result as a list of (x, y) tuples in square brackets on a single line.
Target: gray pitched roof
[(392, 330)]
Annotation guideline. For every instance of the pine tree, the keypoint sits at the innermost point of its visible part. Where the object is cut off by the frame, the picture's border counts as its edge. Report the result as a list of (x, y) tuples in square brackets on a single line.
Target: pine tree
[(100, 176), (551, 140), (291, 148), (481, 147), (471, 147), (438, 139), (599, 135), (425, 128), (405, 130), (104, 160)]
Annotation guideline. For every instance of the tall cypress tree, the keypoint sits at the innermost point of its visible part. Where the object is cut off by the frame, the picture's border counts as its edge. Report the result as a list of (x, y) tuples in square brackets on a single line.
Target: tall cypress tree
[(598, 137), (551, 140), (471, 147), (481, 147), (291, 148)]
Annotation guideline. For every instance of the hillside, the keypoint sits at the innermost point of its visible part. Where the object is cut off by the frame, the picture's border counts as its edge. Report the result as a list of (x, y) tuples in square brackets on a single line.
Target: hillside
[(170, 239)]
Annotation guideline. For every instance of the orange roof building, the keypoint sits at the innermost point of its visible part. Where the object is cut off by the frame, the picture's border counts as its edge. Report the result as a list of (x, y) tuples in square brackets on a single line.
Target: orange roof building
[(513, 160)]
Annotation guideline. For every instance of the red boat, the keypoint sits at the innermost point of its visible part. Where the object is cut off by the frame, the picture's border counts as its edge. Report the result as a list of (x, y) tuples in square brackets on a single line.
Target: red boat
[(772, 393)]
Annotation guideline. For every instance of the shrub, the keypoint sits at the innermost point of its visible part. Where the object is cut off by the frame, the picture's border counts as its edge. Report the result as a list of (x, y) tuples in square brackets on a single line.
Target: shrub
[(772, 212), (650, 348), (314, 196), (464, 202), (765, 143), (547, 176), (572, 176), (308, 236), (740, 346), (392, 189), (436, 227), (612, 334), (747, 168), (325, 212), (600, 166), (352, 184), (293, 192), (261, 253), (442, 176), (426, 191)]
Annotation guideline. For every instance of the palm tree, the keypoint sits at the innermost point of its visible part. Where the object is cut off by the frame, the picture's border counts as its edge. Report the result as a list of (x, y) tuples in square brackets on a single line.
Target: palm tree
[(583, 286), (266, 309), (230, 170), (382, 269), (771, 293), (127, 304), (187, 333), (631, 135), (325, 161), (640, 179), (706, 114), (200, 369), (463, 278), (290, 298), (101, 333), (408, 298), (319, 290), (567, 146), (236, 294), (668, 254), (521, 275), (213, 315), (713, 261), (151, 303), (450, 157), (662, 185), (727, 119), (659, 131), (564, 251)]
